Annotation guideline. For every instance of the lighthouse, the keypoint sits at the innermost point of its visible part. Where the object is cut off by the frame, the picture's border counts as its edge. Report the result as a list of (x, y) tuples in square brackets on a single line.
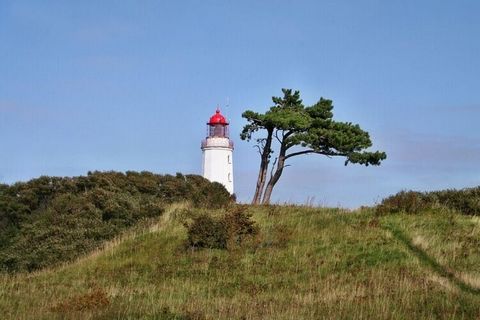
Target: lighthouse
[(217, 151)]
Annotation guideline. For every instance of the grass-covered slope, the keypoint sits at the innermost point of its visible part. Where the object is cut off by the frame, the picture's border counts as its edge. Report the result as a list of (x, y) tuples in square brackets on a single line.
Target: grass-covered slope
[(305, 264)]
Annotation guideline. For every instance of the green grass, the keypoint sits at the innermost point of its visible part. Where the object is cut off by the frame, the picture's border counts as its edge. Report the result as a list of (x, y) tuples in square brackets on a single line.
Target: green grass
[(307, 263)]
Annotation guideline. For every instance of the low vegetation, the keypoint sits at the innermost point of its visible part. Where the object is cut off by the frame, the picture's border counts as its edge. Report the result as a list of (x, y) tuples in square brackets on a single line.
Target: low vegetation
[(51, 220), (464, 201), (302, 263), (227, 231)]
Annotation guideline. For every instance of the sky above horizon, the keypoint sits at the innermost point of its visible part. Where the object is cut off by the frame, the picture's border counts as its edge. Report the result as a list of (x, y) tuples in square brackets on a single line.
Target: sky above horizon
[(129, 85)]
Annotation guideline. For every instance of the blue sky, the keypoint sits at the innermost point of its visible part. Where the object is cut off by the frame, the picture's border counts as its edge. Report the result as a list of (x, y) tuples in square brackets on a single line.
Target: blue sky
[(129, 85)]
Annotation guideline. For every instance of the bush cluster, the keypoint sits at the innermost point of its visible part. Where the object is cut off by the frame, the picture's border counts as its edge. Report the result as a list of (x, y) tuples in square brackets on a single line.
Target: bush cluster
[(465, 201), (231, 229), (50, 220)]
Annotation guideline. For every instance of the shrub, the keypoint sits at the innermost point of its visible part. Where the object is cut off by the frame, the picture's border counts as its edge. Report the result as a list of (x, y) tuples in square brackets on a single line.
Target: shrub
[(231, 229), (466, 201), (239, 225), (404, 201), (207, 232)]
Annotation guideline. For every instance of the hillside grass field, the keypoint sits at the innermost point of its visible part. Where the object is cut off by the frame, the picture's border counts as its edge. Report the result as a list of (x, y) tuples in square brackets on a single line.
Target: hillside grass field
[(305, 263)]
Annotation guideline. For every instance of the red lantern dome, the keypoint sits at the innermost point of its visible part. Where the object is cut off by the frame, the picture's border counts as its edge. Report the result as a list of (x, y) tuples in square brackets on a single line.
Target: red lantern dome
[(218, 118)]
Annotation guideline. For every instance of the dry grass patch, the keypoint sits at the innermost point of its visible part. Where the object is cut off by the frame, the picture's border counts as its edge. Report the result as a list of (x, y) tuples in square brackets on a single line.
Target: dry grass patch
[(95, 299)]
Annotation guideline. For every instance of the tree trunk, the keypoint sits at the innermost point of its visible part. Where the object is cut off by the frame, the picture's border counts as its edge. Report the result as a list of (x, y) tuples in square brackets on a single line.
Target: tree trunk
[(262, 173), (276, 176)]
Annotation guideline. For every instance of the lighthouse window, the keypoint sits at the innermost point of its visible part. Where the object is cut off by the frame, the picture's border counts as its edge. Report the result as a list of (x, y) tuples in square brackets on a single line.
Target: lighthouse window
[(228, 159), (218, 131), (229, 178)]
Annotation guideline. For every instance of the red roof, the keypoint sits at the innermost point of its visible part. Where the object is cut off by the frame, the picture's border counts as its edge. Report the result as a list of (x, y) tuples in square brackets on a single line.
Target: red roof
[(218, 118)]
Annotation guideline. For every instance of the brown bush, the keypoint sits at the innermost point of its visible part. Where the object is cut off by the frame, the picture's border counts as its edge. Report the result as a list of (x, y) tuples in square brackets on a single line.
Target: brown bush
[(239, 226)]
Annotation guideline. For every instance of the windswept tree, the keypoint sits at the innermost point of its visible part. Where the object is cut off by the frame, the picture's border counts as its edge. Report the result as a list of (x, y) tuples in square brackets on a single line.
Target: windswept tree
[(294, 130)]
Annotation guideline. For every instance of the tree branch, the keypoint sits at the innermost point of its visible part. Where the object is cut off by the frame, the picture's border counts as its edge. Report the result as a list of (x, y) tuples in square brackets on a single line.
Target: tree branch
[(299, 153), (288, 134), (273, 167), (328, 154), (276, 136)]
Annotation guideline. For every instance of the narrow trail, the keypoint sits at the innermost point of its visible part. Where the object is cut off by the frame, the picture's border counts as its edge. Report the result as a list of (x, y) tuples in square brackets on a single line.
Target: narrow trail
[(430, 261)]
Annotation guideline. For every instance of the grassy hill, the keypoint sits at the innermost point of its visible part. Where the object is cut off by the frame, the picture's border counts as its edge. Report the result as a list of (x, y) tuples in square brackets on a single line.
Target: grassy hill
[(305, 263), (50, 220)]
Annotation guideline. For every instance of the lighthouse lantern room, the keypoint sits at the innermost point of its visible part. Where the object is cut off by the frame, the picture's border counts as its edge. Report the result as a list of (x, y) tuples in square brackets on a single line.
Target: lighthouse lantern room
[(217, 151)]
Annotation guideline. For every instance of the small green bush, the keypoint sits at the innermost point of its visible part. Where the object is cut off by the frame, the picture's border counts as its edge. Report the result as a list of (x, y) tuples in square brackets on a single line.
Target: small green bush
[(207, 232), (219, 233)]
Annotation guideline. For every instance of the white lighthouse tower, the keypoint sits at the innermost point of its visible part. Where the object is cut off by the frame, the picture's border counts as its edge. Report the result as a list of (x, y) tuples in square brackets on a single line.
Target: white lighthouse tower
[(218, 151)]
